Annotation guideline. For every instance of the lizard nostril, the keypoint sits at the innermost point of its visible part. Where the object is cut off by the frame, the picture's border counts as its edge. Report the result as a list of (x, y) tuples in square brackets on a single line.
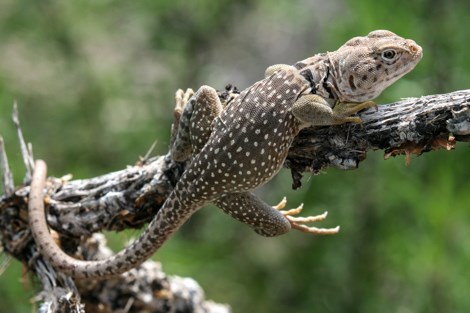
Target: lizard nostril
[(415, 49)]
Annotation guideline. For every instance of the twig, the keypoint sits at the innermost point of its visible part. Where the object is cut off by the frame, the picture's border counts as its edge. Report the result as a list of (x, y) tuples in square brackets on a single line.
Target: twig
[(25, 151), (7, 176)]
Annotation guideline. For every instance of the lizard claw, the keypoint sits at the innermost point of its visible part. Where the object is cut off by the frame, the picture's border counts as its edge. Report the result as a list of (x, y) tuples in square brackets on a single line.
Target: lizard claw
[(281, 205), (299, 222)]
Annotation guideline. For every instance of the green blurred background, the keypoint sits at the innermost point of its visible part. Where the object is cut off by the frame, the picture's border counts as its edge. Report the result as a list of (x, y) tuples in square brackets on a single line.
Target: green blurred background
[(95, 83)]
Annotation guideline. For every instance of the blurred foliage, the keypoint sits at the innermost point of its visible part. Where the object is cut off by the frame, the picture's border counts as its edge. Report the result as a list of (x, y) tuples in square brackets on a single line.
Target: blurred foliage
[(95, 81)]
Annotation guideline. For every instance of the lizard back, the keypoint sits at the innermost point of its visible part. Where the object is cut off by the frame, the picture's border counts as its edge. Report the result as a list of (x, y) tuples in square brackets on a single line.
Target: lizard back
[(251, 138)]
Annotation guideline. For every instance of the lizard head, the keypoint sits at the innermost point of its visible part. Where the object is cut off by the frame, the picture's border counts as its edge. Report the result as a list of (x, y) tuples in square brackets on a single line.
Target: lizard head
[(364, 66)]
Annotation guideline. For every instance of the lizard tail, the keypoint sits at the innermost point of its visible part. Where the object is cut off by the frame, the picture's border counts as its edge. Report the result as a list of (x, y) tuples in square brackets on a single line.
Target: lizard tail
[(170, 217)]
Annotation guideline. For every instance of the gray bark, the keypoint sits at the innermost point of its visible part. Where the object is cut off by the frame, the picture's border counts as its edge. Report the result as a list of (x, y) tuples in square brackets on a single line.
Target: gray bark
[(78, 209)]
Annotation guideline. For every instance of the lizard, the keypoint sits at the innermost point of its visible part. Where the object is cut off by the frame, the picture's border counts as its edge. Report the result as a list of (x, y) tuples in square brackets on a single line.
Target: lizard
[(234, 148)]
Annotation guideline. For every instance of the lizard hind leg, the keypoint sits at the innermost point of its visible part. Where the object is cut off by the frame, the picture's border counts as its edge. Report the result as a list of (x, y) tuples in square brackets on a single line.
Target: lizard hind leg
[(247, 208), (267, 220), (194, 122), (275, 68)]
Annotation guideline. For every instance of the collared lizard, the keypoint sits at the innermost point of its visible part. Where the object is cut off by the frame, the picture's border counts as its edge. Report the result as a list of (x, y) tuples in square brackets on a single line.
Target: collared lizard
[(238, 147)]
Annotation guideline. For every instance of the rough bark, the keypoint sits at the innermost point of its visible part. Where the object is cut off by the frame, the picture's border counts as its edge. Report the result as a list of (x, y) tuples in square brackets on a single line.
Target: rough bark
[(78, 209)]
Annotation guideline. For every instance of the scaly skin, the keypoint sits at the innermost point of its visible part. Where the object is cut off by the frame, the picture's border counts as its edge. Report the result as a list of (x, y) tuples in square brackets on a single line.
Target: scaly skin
[(240, 146)]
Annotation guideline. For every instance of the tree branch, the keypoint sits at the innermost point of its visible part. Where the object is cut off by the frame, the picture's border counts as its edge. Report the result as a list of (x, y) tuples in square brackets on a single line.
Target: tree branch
[(410, 126), (131, 197)]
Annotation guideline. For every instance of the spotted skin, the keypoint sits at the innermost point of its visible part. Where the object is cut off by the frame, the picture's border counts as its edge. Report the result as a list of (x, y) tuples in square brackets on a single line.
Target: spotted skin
[(238, 147)]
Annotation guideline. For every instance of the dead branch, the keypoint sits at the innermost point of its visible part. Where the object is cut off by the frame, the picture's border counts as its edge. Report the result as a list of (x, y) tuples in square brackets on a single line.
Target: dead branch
[(131, 197), (410, 126)]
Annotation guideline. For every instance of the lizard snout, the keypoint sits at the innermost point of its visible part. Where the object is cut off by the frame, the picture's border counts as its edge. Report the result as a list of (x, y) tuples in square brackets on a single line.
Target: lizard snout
[(414, 48)]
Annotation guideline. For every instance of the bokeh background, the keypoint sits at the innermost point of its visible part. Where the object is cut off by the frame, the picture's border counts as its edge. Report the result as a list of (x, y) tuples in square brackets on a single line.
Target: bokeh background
[(95, 81)]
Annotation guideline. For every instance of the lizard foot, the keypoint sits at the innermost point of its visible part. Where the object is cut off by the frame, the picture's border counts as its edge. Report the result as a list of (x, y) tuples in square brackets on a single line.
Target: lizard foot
[(181, 98), (299, 222), (350, 108)]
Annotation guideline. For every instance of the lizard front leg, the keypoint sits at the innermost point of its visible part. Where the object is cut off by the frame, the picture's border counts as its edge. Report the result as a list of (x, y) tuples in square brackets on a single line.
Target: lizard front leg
[(314, 110), (267, 220)]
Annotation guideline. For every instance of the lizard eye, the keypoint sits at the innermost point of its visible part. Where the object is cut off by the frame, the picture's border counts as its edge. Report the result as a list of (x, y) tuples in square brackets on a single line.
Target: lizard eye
[(389, 55)]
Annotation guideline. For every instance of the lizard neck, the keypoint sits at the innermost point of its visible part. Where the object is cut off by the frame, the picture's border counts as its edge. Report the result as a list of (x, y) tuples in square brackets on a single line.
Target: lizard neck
[(319, 73)]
